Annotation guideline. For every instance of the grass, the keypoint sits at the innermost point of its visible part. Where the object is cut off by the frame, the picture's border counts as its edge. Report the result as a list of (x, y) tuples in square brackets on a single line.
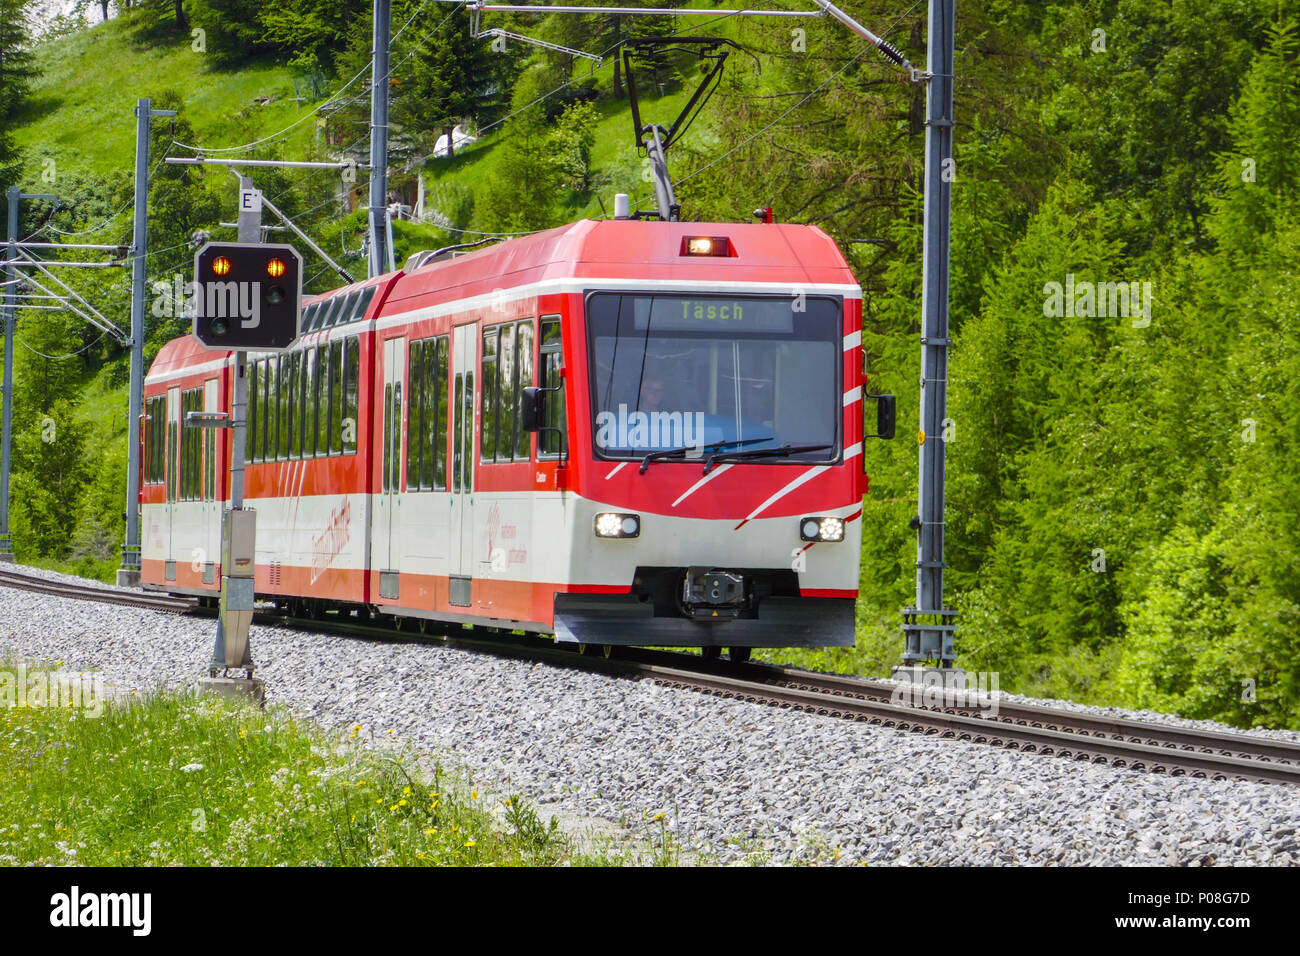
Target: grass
[(81, 112), (178, 780)]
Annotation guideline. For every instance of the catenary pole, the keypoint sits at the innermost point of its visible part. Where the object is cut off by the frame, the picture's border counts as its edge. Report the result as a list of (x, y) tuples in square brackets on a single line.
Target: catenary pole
[(929, 625), (128, 575), (15, 198), (379, 253), (6, 439)]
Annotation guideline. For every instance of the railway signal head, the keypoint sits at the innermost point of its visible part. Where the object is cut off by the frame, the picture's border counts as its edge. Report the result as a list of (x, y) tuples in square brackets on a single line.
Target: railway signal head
[(248, 296)]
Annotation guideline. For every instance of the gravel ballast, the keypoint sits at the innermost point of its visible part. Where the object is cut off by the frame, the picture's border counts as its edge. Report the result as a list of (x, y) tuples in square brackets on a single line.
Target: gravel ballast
[(731, 781)]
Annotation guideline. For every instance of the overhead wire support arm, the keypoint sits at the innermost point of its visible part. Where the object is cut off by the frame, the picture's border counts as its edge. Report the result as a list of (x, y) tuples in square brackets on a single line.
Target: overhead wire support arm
[(887, 50), (302, 235), (119, 249), (639, 11), (519, 37), (267, 163), (307, 239), (71, 299)]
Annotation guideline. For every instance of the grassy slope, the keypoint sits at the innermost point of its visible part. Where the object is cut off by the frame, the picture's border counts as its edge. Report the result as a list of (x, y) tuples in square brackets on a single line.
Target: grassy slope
[(81, 112)]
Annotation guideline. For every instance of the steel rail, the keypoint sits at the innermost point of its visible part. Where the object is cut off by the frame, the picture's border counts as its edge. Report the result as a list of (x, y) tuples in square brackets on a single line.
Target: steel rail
[(65, 589), (1119, 742), (1052, 718)]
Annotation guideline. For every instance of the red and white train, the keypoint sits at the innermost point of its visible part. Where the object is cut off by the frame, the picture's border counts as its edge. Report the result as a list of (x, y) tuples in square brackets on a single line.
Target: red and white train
[(619, 432)]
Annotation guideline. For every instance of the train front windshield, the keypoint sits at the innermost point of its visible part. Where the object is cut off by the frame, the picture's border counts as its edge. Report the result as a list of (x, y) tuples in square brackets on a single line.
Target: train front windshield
[(730, 373)]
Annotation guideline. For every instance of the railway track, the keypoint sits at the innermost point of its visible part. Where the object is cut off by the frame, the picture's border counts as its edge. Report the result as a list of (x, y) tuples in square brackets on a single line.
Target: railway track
[(1029, 728), (99, 595)]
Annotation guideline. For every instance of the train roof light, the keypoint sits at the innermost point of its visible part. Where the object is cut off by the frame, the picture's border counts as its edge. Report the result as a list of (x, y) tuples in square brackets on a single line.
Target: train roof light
[(706, 246)]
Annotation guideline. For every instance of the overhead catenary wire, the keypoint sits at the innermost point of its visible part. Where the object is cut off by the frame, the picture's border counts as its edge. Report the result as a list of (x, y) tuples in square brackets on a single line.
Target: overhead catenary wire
[(248, 147), (834, 76), (67, 355)]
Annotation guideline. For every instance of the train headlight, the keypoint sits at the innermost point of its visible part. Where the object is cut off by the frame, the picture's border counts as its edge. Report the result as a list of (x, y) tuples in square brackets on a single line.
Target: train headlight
[(821, 529), (612, 524)]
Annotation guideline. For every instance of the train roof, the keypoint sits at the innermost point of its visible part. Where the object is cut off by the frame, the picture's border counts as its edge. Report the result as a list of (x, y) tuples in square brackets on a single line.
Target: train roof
[(612, 248), (775, 254)]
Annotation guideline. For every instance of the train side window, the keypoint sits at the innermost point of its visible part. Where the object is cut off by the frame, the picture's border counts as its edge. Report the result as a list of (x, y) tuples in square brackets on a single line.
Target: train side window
[(288, 391), (210, 469), (320, 401), (290, 428), (194, 446), (458, 442), (195, 440), (488, 438), (507, 371), (388, 427), (152, 432), (414, 413), (188, 444), (551, 444), (337, 306), (281, 450), (468, 419), (159, 438), (336, 397), (438, 429), (252, 410), (146, 439), (425, 438), (429, 413), (351, 387), (209, 451), (342, 309), (363, 303), (271, 406), (355, 307), (395, 436), (169, 461), (524, 378), (331, 315), (182, 448), (307, 398), (322, 315)]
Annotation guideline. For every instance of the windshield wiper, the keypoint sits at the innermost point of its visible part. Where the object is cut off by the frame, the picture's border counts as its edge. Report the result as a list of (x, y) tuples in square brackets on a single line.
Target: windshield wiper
[(683, 451), (785, 451)]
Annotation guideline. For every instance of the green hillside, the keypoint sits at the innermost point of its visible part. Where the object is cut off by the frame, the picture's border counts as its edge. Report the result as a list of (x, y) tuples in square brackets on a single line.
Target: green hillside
[(81, 112)]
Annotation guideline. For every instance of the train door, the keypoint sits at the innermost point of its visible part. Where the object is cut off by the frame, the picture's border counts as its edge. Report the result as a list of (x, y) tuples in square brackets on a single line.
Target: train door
[(172, 478), (464, 345), (212, 504), (388, 503)]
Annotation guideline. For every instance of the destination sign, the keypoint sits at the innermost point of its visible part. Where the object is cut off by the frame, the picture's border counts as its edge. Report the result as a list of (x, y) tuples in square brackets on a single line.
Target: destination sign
[(664, 313)]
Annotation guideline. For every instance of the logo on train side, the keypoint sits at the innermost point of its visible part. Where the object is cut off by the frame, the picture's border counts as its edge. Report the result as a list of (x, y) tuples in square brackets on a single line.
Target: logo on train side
[(329, 544), (503, 546)]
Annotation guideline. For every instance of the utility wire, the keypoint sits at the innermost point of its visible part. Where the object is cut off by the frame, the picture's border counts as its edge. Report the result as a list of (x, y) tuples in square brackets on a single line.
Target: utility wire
[(741, 145)]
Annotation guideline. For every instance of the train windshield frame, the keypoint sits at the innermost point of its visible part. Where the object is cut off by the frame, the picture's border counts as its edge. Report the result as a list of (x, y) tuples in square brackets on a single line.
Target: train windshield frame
[(732, 372)]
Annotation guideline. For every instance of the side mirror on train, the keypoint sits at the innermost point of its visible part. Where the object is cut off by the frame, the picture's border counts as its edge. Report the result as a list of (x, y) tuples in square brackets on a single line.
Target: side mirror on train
[(885, 413), (531, 411)]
